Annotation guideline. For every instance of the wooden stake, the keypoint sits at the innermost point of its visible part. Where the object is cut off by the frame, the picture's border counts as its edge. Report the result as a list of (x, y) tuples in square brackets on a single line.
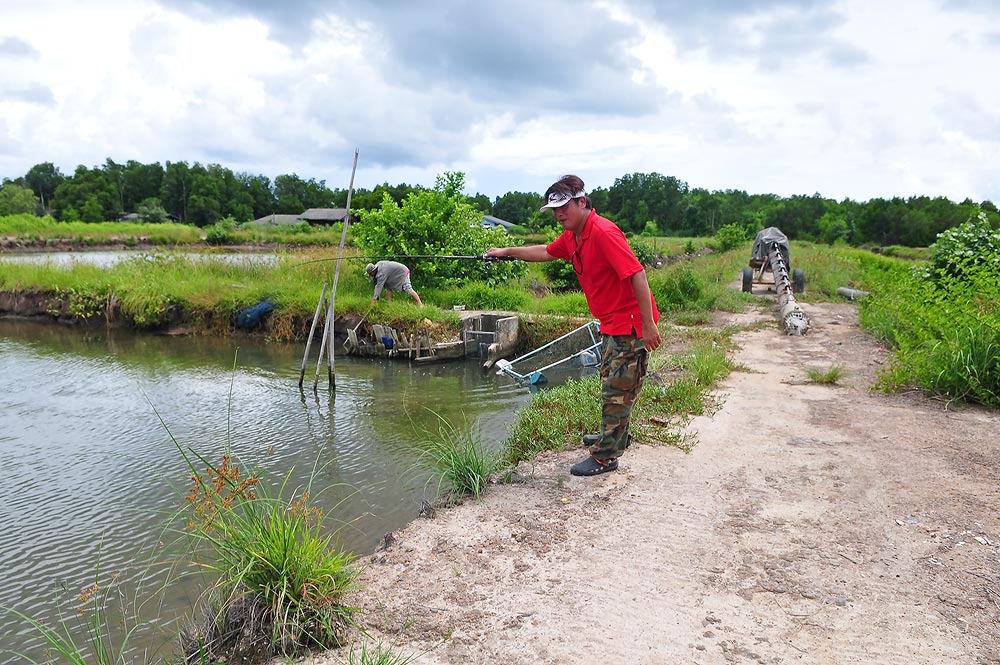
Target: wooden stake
[(336, 275), (312, 330)]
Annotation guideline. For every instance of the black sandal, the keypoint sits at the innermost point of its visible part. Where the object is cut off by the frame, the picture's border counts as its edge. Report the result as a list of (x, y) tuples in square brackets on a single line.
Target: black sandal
[(593, 466)]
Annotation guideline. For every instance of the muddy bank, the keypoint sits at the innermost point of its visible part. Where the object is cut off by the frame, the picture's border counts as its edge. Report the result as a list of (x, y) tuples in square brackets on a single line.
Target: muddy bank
[(810, 524)]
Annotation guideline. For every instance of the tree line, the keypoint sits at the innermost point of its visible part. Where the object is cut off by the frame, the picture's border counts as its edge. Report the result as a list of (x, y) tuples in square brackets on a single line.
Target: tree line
[(641, 203)]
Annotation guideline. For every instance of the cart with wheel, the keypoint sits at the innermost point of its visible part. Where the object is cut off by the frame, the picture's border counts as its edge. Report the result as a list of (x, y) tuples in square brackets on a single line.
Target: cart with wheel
[(771, 256)]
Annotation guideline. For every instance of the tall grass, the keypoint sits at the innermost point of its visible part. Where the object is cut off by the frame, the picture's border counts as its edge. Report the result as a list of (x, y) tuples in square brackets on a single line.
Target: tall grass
[(98, 632), (281, 580), (458, 460), (944, 331), (553, 418)]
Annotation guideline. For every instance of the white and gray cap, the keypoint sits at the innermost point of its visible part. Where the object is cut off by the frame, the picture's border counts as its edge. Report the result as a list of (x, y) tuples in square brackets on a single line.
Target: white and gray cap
[(559, 199)]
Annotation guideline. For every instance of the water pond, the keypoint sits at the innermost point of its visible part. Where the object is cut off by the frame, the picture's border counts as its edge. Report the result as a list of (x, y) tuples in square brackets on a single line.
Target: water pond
[(90, 470)]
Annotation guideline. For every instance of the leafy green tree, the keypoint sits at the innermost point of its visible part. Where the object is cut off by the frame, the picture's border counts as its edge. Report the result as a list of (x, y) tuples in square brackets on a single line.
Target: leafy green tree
[(176, 189), (89, 195), (258, 190), (517, 207), (599, 199), (151, 211), (205, 202), (364, 199), (17, 200), (294, 195), (438, 222), (481, 202), (141, 182), (879, 221), (833, 227), (636, 198), (44, 179)]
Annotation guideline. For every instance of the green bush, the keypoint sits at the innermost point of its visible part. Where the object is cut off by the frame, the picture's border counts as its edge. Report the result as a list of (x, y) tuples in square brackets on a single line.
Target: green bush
[(643, 251), (677, 289), (730, 236), (561, 275), (438, 222), (964, 248), (942, 320)]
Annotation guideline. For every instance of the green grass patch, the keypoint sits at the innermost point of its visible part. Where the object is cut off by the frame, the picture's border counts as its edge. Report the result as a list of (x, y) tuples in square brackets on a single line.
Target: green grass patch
[(553, 418), (829, 376), (459, 462)]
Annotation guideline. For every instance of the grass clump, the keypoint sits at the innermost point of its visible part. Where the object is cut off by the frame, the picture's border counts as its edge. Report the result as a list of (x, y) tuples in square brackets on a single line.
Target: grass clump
[(552, 417), (458, 460), (377, 654), (828, 376), (280, 580)]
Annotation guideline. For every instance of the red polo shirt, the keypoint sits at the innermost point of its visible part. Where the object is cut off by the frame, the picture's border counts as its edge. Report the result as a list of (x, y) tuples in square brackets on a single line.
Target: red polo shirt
[(607, 264)]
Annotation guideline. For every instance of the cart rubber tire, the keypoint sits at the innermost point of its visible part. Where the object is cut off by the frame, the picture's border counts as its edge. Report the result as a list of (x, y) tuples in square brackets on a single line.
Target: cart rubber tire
[(747, 280), (798, 280)]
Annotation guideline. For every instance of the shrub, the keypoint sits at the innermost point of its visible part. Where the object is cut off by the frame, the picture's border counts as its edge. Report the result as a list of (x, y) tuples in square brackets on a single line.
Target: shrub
[(561, 275), (730, 236), (966, 247), (643, 251), (217, 234), (279, 578)]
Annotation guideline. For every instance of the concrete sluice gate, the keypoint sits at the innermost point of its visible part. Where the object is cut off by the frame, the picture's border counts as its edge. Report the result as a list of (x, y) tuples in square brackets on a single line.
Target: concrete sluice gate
[(485, 335)]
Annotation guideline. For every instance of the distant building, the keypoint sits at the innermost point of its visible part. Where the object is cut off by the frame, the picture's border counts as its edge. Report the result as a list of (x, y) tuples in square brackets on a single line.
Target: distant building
[(491, 222), (314, 216), (134, 217), (325, 215), (282, 220)]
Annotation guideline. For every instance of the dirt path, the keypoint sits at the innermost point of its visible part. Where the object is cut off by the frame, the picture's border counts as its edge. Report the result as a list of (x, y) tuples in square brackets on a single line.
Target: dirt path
[(810, 524)]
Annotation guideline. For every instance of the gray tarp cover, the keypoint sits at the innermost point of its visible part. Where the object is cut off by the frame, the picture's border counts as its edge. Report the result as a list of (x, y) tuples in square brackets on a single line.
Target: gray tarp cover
[(764, 240)]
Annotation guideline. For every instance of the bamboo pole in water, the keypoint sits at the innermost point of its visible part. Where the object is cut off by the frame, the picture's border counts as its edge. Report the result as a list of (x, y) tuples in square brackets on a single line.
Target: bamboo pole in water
[(327, 337), (336, 275), (312, 331)]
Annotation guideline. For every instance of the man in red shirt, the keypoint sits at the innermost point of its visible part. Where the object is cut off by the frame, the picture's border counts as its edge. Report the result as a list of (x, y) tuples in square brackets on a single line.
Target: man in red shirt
[(618, 295)]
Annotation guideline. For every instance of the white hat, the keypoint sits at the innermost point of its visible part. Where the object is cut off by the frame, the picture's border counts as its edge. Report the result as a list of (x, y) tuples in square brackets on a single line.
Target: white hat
[(559, 199)]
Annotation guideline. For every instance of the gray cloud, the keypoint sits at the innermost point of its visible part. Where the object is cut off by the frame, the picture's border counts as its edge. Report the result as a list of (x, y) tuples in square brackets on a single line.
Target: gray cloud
[(784, 29), (962, 112), (13, 46), (33, 93), (528, 57)]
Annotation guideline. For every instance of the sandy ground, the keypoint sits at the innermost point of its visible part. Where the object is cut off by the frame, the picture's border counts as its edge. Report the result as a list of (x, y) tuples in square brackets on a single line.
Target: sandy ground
[(809, 524)]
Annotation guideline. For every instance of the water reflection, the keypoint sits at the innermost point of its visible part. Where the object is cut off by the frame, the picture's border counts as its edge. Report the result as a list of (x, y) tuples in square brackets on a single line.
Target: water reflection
[(90, 474), (104, 259)]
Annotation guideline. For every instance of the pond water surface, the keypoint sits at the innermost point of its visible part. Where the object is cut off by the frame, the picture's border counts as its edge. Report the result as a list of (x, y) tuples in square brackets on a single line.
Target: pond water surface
[(90, 474)]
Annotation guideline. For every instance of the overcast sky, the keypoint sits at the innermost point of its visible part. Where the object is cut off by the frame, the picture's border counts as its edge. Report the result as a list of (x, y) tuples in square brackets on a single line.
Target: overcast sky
[(849, 98)]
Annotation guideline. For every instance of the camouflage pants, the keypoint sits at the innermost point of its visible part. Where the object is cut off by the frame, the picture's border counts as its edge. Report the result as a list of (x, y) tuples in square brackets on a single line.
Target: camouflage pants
[(624, 360)]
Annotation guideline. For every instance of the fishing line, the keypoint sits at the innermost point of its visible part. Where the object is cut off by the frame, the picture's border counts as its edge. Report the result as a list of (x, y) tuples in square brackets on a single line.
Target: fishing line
[(445, 257)]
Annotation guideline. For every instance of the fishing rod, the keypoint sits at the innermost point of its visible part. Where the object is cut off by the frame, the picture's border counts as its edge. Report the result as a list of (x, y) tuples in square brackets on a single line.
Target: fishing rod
[(446, 257)]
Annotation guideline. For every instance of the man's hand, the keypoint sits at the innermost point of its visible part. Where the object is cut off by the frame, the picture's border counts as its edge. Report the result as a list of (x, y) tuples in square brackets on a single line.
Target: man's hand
[(651, 336)]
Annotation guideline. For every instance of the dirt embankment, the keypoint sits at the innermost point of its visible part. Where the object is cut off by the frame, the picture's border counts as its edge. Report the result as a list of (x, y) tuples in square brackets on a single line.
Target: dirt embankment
[(810, 524)]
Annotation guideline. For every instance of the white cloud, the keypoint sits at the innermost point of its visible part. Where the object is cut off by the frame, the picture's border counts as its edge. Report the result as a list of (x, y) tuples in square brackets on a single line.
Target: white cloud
[(848, 99)]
